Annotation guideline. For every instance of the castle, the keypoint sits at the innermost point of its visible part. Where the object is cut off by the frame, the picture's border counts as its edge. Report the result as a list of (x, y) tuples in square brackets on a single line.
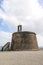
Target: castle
[(21, 41)]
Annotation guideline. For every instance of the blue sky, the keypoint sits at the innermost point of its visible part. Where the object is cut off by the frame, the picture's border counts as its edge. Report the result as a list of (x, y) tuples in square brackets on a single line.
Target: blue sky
[(41, 2), (4, 26), (28, 13)]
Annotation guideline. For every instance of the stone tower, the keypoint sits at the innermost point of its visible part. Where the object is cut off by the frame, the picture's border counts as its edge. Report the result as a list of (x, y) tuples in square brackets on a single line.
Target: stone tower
[(23, 40)]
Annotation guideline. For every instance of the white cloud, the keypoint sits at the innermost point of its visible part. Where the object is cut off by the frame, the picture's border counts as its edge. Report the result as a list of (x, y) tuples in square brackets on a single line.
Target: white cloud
[(4, 37), (40, 40), (19, 11)]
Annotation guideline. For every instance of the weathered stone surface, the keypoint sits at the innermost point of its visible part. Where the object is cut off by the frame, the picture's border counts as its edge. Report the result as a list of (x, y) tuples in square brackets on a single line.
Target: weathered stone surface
[(24, 41)]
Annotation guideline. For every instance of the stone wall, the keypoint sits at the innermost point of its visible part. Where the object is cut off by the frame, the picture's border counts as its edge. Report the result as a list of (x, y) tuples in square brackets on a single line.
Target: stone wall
[(24, 41)]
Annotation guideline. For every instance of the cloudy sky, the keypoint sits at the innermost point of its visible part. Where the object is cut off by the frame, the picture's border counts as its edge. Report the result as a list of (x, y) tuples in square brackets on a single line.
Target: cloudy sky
[(28, 13)]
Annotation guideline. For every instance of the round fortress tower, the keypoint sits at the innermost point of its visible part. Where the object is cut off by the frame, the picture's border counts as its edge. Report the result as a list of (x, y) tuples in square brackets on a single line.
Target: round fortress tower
[(23, 40)]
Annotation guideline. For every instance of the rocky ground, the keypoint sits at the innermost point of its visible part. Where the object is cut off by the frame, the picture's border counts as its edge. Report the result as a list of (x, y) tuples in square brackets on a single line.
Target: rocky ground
[(21, 58)]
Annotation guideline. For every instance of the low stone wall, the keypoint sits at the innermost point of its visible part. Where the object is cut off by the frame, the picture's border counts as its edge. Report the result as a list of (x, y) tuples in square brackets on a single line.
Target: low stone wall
[(6, 47)]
